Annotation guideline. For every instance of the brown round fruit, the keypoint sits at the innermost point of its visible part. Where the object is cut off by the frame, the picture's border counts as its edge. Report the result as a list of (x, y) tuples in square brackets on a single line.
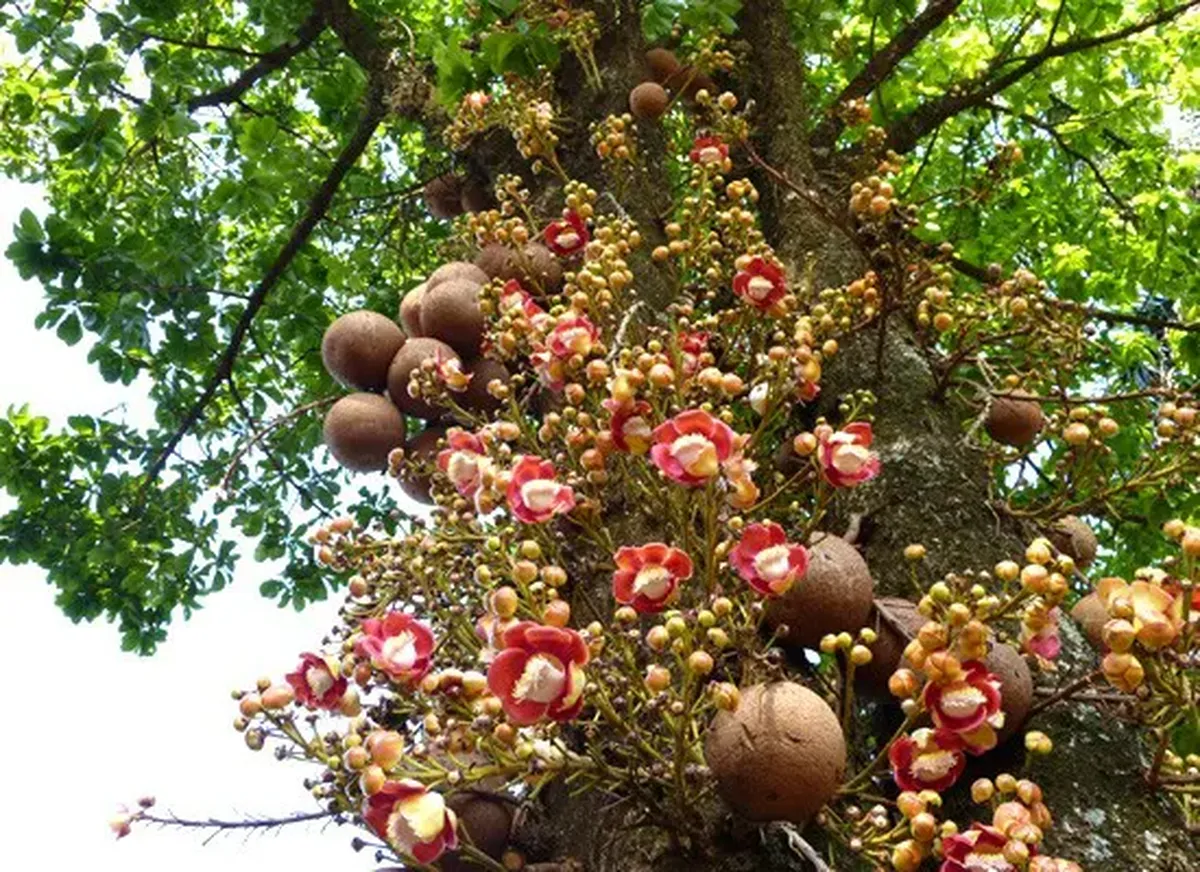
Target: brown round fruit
[(487, 822), (362, 429), (779, 756), (890, 642), (662, 64), (475, 197), (412, 355), (410, 311), (493, 259), (476, 397), (443, 196), (691, 81), (1091, 615), (1016, 686), (1013, 420), (648, 101), (457, 270), (834, 595), (450, 312), (1075, 538), (420, 455), (358, 347), (536, 268)]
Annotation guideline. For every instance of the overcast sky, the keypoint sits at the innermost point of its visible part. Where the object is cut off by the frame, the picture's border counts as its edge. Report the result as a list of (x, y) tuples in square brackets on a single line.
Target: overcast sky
[(85, 727)]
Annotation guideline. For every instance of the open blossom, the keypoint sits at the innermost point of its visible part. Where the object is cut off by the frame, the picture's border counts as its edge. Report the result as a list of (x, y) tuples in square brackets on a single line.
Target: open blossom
[(317, 682), (927, 760), (846, 456), (464, 461), (568, 236), (572, 336), (539, 673), (743, 492), (549, 368), (767, 561), (648, 577), (412, 819), (966, 703), (691, 447), (692, 344), (1155, 613), (397, 644), (979, 848), (451, 374), (1039, 633), (630, 426), (533, 495), (760, 283), (708, 150), (514, 300)]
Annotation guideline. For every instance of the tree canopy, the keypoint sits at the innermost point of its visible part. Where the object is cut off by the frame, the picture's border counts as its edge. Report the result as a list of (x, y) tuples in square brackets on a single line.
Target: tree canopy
[(225, 178)]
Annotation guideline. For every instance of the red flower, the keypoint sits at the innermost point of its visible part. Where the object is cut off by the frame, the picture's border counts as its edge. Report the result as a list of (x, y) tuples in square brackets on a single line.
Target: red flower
[(979, 848), (549, 368), (966, 704), (572, 336), (691, 346), (846, 458), (568, 236), (533, 495), (539, 674), (412, 819), (761, 284), (317, 682), (691, 447), (648, 577), (630, 425), (927, 760), (463, 461), (397, 644), (514, 298), (767, 561), (708, 150)]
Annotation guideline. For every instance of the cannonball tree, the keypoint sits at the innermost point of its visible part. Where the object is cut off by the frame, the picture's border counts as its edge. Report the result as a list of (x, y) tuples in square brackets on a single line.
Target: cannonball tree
[(758, 388)]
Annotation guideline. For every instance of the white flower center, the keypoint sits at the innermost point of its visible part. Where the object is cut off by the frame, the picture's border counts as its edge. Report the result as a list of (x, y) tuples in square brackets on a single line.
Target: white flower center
[(400, 651), (637, 427), (710, 154), (759, 288), (463, 467), (653, 582), (933, 765), (774, 563), (987, 863), (543, 679), (850, 459), (567, 239), (540, 494), (319, 680), (415, 820), (962, 702), (577, 339), (696, 454)]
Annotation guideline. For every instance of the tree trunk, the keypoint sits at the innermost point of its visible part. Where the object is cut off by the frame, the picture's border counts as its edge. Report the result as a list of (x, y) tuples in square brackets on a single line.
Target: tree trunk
[(934, 488)]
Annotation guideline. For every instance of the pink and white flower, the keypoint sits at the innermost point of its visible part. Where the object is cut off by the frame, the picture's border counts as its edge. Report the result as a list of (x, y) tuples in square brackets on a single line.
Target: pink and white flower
[(692, 344), (760, 283), (413, 819), (708, 150), (514, 300), (845, 455), (568, 236), (551, 372), (318, 682), (398, 645), (648, 577), (464, 461), (539, 674), (534, 496), (966, 703), (630, 425), (572, 336), (691, 447), (979, 848), (927, 760), (767, 561)]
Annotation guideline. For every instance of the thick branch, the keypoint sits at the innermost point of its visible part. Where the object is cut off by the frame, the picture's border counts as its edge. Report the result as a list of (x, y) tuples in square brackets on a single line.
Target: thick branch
[(373, 114), (881, 65), (356, 33), (267, 63), (907, 131)]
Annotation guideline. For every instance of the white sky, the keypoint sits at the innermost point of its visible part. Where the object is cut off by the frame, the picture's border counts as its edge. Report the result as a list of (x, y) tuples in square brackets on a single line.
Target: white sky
[(86, 728)]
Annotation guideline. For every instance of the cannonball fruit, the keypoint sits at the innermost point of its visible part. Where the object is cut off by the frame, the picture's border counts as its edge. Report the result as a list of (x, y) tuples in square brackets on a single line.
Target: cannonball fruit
[(492, 259), (443, 196), (362, 429), (648, 101), (475, 196), (1016, 686), (410, 310), (409, 358), (1091, 615), (835, 594), (662, 64), (1075, 538), (890, 643), (780, 755), (358, 347), (450, 312), (1013, 420), (476, 396), (456, 270), (487, 822), (535, 266), (420, 455)]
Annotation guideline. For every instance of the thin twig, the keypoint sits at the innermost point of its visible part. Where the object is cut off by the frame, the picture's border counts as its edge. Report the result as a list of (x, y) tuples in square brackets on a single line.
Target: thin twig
[(1065, 693), (270, 427)]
